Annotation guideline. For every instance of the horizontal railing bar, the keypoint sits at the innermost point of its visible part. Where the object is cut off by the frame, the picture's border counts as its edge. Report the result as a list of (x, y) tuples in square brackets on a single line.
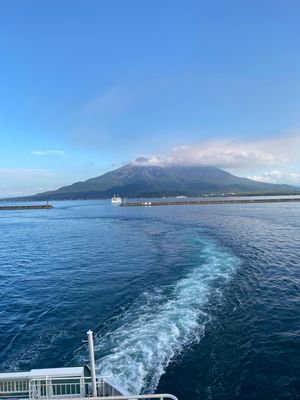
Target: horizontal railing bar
[(59, 384), (135, 397), (55, 378), (13, 391), (52, 388), (61, 378)]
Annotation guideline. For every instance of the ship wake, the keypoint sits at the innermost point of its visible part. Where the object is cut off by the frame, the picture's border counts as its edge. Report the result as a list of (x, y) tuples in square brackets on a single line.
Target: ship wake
[(163, 322)]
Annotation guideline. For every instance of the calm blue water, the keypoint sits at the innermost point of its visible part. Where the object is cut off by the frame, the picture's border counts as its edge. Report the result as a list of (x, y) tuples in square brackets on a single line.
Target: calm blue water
[(202, 302)]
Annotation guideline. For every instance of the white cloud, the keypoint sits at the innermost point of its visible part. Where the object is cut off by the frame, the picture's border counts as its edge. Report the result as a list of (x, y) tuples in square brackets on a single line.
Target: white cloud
[(48, 152), (232, 154), (280, 156), (224, 155), (276, 176)]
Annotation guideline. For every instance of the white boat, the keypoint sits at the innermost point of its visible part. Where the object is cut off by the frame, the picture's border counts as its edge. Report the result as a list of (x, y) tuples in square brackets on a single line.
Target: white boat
[(116, 199), (75, 383)]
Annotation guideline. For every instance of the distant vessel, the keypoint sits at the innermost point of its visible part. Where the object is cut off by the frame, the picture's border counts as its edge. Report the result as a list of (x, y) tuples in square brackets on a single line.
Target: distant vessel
[(116, 199), (75, 383), (181, 197)]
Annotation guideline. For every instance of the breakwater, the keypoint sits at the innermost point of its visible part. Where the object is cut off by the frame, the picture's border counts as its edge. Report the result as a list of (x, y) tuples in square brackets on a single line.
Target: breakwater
[(32, 207), (207, 202)]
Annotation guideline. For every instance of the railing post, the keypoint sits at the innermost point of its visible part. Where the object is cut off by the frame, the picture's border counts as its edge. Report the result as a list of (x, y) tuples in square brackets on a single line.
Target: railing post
[(92, 362), (39, 389), (82, 387)]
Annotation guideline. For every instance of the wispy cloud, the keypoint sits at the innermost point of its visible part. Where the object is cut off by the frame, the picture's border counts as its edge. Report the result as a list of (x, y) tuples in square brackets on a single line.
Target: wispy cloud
[(276, 176), (48, 152), (274, 160), (231, 153), (25, 181), (24, 172), (112, 101)]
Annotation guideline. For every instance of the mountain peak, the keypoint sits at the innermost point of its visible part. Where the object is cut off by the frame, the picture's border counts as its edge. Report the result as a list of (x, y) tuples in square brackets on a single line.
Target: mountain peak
[(141, 179)]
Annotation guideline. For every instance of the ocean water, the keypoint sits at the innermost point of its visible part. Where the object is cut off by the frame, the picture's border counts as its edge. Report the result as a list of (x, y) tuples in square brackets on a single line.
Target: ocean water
[(202, 302)]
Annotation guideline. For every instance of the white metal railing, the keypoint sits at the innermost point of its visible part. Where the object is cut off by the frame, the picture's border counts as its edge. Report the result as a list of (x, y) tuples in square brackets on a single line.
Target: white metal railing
[(59, 388), (160, 396), (66, 387), (80, 388), (16, 386)]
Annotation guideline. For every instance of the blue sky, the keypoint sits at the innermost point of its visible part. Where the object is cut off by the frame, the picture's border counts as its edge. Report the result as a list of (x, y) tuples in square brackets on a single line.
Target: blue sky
[(87, 85)]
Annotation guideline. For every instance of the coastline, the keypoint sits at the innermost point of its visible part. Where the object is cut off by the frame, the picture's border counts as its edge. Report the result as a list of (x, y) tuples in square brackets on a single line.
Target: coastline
[(33, 207), (208, 202)]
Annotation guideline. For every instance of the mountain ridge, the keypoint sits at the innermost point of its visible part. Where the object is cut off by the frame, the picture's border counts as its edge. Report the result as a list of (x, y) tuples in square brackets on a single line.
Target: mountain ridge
[(134, 180)]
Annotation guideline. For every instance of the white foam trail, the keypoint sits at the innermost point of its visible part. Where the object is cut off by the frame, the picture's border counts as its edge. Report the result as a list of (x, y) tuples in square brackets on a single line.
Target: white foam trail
[(160, 325)]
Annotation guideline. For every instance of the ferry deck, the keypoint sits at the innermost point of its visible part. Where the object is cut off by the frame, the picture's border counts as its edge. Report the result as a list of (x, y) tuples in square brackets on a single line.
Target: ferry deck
[(73, 383)]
